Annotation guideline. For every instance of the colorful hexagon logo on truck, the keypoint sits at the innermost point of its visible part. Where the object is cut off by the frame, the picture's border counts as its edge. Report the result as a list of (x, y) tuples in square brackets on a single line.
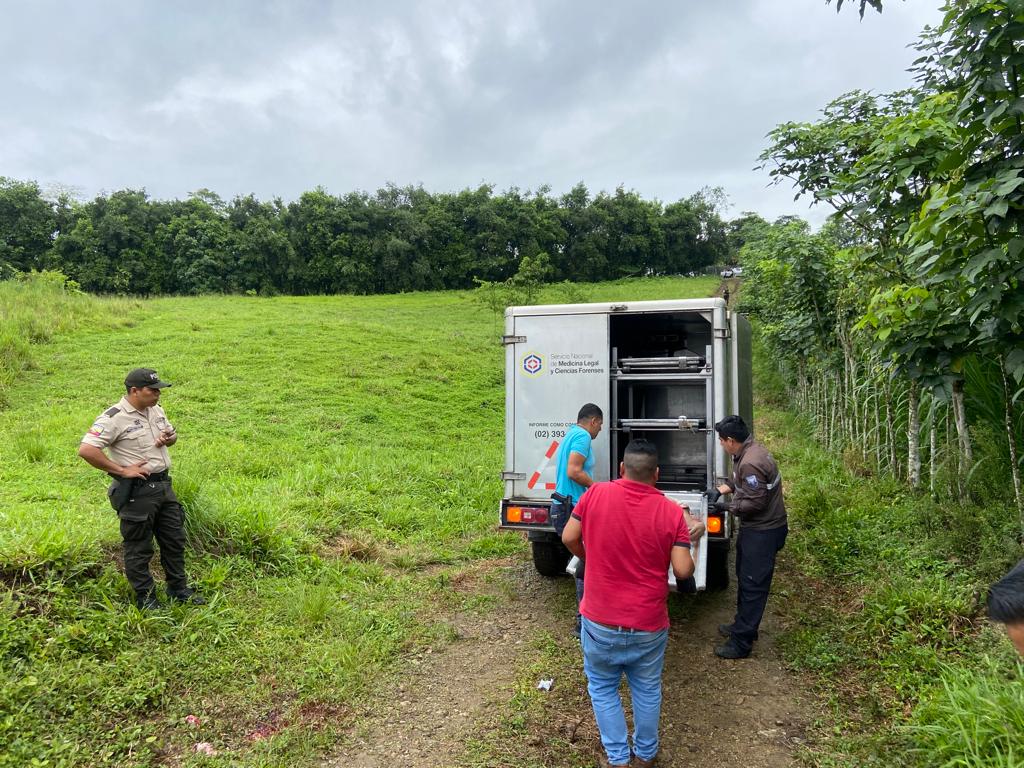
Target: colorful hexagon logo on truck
[(533, 364)]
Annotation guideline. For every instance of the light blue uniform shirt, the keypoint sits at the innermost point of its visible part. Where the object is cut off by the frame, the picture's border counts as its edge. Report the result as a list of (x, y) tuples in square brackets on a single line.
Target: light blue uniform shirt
[(577, 440)]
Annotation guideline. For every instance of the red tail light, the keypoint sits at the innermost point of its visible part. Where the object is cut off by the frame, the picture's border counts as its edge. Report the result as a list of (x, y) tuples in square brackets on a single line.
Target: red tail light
[(526, 515)]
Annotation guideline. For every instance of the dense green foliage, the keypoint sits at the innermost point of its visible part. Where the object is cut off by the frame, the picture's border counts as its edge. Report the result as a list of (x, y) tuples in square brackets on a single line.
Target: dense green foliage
[(398, 239), (915, 292), (882, 590), (331, 449), (899, 333)]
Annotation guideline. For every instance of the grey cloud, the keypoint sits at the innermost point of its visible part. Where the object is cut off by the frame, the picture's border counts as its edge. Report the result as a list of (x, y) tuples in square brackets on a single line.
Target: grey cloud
[(277, 97)]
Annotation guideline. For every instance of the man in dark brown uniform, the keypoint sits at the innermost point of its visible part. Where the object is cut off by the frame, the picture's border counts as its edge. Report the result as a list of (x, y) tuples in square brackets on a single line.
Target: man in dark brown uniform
[(136, 433), (756, 488)]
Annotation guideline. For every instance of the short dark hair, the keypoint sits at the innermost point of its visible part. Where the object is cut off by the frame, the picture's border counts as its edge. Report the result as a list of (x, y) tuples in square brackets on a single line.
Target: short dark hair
[(590, 411), (640, 459), (1006, 597), (734, 427)]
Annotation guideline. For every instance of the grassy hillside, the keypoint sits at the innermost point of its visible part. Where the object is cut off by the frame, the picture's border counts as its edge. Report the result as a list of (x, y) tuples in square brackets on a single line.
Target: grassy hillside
[(329, 448), (40, 306)]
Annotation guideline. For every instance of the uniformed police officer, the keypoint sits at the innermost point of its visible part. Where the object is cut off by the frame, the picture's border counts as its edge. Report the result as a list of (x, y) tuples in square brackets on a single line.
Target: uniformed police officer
[(136, 433), (756, 488)]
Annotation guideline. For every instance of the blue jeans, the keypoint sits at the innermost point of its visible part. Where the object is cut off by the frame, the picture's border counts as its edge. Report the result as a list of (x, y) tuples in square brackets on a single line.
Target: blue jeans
[(607, 655)]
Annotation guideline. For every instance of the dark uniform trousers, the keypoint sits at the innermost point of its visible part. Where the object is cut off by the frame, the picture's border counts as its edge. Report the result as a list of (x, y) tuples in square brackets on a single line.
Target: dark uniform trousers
[(153, 510), (560, 514), (755, 565)]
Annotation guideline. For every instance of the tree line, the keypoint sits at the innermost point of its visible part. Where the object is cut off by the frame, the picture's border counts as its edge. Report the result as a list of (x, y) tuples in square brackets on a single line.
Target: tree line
[(397, 239), (900, 325)]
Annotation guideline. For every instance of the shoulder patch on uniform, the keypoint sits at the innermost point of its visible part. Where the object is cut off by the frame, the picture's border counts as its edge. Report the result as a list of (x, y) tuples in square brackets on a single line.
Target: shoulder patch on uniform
[(751, 481), (112, 411)]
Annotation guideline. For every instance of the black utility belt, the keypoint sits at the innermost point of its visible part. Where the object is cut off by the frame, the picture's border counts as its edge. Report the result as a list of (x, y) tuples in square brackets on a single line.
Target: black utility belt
[(155, 477)]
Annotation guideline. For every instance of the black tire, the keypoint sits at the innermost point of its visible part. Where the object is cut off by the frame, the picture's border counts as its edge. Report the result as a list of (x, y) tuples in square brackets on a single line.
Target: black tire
[(718, 567), (550, 557)]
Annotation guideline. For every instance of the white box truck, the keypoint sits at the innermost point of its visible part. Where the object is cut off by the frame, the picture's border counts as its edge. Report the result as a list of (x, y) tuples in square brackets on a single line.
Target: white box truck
[(661, 370)]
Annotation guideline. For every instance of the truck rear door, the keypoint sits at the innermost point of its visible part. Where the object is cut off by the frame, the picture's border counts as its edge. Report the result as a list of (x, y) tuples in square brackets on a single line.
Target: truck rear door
[(553, 365)]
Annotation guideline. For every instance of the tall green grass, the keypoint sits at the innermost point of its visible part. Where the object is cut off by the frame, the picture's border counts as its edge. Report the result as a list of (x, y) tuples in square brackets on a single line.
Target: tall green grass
[(36, 307), (329, 448), (883, 594), (974, 718)]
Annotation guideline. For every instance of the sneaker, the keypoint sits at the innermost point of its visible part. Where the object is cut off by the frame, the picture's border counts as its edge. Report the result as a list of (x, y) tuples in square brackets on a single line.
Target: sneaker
[(730, 651), (147, 602), (187, 595), (725, 630)]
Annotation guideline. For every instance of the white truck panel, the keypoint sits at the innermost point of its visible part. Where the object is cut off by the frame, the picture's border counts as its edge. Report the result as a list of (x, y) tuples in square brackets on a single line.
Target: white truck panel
[(555, 370)]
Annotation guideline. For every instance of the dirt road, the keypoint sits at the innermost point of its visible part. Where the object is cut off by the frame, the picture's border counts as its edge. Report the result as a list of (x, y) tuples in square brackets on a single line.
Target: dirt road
[(474, 701)]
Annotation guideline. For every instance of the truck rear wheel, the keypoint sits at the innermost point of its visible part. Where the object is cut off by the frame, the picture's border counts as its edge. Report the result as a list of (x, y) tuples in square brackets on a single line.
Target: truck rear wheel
[(718, 567), (550, 557)]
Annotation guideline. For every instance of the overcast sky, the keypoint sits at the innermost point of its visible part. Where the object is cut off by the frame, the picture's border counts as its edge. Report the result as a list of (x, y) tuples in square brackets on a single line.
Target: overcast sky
[(275, 98)]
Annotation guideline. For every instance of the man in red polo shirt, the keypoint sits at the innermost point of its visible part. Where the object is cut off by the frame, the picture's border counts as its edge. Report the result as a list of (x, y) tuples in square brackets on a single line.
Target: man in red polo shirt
[(631, 533)]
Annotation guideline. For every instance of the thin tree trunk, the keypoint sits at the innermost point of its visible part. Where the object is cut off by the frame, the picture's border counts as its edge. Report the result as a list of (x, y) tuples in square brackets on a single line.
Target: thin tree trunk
[(890, 432), (878, 431), (813, 391), (952, 459), (837, 423), (964, 437), (823, 410), (851, 393), (1011, 438), (913, 436), (854, 410), (931, 446), (819, 410)]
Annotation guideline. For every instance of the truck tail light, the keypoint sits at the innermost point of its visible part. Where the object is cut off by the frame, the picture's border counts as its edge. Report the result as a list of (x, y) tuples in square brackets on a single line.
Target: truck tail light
[(714, 524), (526, 515)]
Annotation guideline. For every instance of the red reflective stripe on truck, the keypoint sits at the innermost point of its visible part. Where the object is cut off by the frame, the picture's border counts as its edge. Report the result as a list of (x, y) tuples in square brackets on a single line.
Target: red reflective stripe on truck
[(533, 480), (550, 486), (551, 450)]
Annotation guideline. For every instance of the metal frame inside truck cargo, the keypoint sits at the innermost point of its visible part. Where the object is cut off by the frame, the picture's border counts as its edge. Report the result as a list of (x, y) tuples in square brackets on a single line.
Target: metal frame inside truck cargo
[(662, 370)]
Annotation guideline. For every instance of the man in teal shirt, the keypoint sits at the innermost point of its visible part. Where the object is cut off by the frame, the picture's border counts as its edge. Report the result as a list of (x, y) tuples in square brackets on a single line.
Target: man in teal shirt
[(574, 474)]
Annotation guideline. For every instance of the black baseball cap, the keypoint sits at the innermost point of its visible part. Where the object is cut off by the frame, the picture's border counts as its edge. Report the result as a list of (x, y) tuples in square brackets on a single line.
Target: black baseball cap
[(145, 377)]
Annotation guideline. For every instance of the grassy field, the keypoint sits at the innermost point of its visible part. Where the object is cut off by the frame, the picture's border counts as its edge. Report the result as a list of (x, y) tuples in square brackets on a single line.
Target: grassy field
[(339, 461), (330, 450)]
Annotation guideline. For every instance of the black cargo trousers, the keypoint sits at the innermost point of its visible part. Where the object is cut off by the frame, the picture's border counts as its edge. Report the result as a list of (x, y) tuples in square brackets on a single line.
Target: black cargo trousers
[(755, 565), (152, 511)]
